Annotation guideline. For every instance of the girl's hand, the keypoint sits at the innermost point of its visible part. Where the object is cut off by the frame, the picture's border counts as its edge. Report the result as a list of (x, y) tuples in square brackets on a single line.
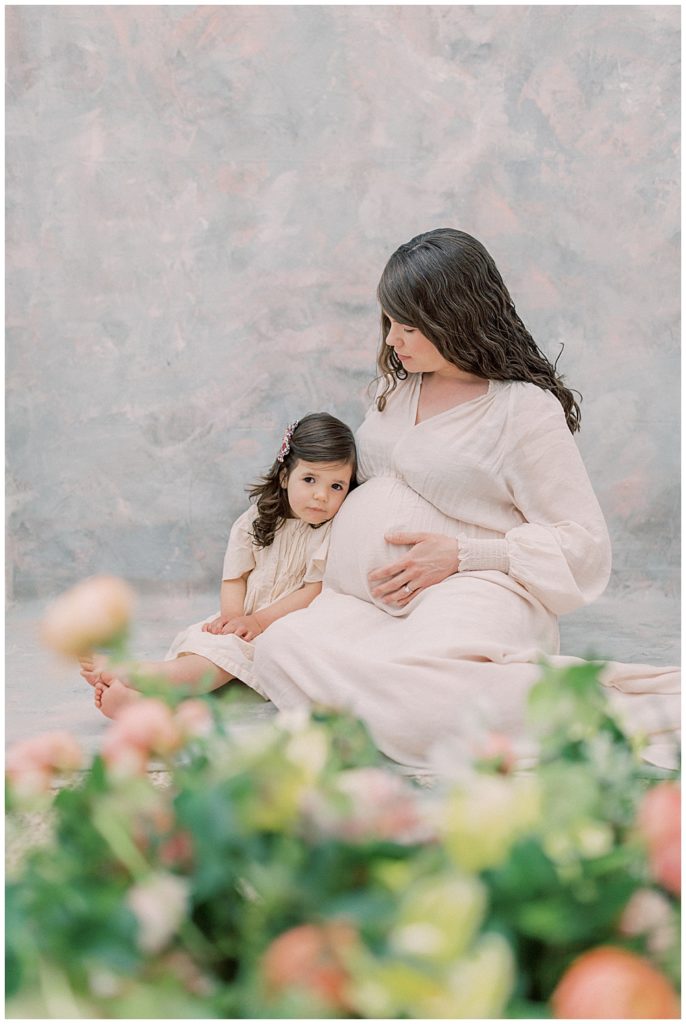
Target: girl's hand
[(431, 560), (216, 625), (245, 626)]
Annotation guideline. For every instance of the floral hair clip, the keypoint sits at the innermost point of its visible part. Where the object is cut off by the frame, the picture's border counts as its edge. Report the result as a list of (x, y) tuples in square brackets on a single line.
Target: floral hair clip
[(286, 443)]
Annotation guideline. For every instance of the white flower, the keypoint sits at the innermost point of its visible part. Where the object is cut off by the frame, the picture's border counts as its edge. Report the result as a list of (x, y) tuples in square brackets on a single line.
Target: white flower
[(309, 750), (160, 903)]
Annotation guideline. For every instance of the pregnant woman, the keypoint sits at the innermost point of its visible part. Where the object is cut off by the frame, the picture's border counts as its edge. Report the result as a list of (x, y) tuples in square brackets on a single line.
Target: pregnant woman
[(474, 528)]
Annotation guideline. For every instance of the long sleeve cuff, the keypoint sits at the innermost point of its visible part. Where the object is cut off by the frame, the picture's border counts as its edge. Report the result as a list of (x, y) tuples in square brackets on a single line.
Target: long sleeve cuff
[(483, 554)]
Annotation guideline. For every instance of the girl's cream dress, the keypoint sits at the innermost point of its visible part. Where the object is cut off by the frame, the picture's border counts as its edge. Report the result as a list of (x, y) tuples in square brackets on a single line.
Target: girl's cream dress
[(297, 555), (502, 474)]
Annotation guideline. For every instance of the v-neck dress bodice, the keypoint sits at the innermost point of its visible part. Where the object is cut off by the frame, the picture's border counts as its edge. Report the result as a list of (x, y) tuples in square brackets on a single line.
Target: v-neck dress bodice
[(500, 473), (524, 512)]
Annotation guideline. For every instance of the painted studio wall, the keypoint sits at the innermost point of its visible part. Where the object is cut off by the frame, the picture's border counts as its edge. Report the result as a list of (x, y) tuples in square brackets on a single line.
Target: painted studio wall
[(200, 201)]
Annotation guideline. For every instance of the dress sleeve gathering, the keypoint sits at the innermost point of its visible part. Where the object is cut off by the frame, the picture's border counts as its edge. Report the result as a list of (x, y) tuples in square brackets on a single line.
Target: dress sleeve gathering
[(561, 552), (240, 554)]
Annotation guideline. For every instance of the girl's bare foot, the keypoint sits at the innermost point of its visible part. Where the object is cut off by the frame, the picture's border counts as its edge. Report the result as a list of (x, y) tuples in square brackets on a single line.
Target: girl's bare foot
[(91, 667), (114, 696)]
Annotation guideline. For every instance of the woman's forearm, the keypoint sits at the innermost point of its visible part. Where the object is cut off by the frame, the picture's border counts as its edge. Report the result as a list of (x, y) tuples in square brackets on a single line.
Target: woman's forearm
[(291, 603)]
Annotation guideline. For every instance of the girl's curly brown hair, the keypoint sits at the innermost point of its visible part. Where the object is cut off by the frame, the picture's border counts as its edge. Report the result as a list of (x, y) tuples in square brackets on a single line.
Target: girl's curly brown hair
[(317, 437), (445, 284)]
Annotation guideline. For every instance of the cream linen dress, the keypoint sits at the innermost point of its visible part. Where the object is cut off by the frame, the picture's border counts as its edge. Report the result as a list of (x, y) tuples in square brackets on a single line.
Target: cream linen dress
[(502, 474), (297, 555)]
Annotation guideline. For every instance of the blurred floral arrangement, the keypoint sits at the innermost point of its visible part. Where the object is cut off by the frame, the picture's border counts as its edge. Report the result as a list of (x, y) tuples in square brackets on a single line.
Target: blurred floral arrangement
[(285, 869)]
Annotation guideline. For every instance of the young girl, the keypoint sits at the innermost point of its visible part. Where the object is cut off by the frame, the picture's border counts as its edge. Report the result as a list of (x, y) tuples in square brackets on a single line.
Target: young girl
[(274, 564)]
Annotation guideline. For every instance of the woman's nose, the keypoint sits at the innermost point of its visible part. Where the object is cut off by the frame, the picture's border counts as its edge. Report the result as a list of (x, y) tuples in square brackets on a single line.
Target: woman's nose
[(393, 336)]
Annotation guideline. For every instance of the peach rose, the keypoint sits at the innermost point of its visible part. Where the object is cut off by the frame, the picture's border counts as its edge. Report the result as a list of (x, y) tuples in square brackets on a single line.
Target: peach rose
[(612, 983), (311, 958), (659, 823), (32, 764), (89, 615)]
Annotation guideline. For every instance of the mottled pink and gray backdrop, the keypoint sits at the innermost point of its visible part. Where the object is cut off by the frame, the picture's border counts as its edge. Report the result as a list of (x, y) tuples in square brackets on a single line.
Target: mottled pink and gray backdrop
[(200, 201)]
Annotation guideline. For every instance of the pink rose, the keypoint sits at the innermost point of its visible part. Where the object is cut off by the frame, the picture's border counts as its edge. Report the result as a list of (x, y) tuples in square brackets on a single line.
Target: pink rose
[(381, 806), (659, 823), (89, 615), (649, 913), (497, 750), (194, 718), (143, 728), (177, 850), (32, 764)]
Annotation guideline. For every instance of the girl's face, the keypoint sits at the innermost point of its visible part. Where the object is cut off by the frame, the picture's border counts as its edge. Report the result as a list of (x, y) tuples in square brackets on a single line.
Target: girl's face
[(414, 350), (316, 489)]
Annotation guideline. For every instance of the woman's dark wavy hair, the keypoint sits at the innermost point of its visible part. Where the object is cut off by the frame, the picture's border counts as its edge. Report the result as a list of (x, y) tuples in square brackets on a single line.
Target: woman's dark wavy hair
[(446, 285), (318, 437)]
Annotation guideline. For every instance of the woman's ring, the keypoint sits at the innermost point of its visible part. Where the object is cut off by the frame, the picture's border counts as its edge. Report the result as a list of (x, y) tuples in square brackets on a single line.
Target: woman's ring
[(408, 588)]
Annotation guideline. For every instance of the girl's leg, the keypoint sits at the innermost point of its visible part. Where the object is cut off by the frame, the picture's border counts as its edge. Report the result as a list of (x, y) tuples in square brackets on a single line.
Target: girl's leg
[(114, 690), (91, 667), (111, 696), (185, 670)]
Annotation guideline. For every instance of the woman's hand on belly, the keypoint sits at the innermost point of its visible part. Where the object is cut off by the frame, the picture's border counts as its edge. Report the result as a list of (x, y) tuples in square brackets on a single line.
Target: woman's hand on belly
[(431, 559)]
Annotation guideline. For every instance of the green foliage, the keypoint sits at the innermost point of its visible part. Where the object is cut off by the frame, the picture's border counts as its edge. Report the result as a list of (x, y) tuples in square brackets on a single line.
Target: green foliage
[(468, 900)]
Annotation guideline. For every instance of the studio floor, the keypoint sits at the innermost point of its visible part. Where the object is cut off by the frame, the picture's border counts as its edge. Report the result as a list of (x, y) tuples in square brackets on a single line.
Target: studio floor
[(44, 692)]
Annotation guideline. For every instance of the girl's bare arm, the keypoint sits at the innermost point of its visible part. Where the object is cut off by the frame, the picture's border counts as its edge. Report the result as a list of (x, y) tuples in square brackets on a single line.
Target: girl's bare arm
[(292, 603), (232, 597), (231, 603), (247, 627)]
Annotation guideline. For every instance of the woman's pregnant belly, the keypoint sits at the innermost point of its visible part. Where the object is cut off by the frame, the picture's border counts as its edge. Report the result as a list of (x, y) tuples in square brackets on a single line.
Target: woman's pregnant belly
[(381, 505)]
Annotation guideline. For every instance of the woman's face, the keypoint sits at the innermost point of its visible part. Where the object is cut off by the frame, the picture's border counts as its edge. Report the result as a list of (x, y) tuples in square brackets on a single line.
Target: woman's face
[(414, 350)]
